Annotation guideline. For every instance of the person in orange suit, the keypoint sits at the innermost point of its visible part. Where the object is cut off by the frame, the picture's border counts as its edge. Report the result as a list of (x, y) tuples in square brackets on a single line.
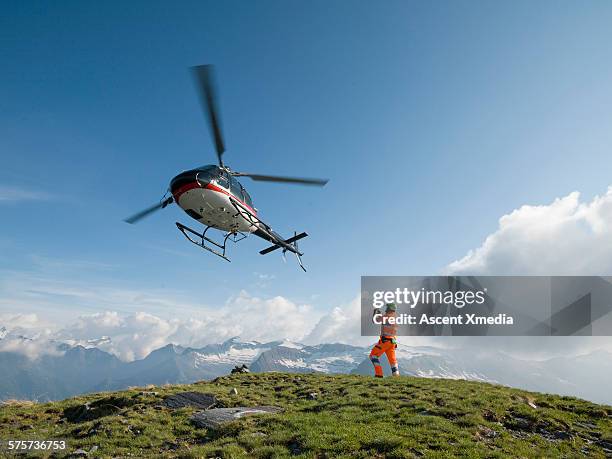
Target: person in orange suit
[(387, 343)]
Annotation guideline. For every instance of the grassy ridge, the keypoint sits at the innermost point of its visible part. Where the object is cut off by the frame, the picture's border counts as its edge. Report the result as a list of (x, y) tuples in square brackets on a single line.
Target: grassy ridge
[(350, 416)]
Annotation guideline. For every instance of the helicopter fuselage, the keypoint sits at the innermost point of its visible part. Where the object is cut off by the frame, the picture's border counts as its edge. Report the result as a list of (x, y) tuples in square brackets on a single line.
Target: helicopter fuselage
[(205, 194)]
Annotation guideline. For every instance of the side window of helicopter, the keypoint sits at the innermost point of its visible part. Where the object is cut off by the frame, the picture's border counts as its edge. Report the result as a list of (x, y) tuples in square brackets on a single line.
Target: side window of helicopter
[(223, 179), (236, 189), (247, 198)]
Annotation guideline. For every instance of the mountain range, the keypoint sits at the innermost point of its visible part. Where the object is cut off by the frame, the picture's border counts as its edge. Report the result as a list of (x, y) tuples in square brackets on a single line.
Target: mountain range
[(76, 368)]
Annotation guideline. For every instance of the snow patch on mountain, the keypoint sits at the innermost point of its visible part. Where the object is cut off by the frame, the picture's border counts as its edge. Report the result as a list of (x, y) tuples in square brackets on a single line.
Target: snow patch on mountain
[(323, 358), (291, 344), (102, 342), (230, 356)]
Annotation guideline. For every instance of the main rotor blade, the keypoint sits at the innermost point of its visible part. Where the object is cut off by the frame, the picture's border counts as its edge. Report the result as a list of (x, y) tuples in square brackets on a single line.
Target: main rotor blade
[(275, 178), (148, 211), (203, 77)]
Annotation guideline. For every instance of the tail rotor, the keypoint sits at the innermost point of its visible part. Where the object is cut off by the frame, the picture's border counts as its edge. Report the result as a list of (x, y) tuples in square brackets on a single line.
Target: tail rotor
[(298, 255)]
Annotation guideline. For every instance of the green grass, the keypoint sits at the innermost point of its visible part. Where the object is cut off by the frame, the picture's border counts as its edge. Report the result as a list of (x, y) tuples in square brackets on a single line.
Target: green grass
[(352, 416)]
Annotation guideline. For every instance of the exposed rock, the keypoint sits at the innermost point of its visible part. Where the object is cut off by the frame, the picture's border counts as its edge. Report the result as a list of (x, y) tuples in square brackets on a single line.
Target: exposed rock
[(560, 435), (79, 453), (312, 396), (556, 435), (606, 445), (594, 434), (148, 393), (233, 391), (194, 399), (240, 369), (213, 419), (97, 409), (586, 425)]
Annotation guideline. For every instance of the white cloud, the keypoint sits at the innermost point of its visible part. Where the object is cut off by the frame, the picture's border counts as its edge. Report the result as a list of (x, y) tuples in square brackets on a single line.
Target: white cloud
[(31, 348), (22, 322), (131, 337), (26, 334), (134, 336), (15, 194), (266, 319), (341, 325), (566, 237)]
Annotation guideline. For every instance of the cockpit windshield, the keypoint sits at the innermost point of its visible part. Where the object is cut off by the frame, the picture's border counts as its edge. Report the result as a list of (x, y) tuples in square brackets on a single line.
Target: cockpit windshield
[(207, 173)]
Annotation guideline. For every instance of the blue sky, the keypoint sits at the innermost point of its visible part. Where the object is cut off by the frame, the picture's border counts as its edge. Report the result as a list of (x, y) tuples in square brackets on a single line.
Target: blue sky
[(430, 120)]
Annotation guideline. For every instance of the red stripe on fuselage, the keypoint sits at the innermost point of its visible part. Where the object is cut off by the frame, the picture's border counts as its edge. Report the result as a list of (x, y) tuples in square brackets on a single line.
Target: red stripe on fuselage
[(190, 186), (218, 189)]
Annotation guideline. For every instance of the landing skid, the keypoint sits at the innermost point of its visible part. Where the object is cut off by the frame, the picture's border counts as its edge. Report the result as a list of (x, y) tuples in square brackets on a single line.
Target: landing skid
[(203, 240), (256, 226)]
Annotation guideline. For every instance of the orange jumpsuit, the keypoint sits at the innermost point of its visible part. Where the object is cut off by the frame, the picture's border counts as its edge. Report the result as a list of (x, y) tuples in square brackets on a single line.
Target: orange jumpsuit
[(386, 345)]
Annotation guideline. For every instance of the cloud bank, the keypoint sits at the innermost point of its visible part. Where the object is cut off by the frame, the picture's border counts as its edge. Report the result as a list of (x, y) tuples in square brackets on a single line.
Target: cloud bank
[(134, 335), (566, 237)]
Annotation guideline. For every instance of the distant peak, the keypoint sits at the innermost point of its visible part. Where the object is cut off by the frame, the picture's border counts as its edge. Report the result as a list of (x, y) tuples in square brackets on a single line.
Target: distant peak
[(290, 344), (236, 340), (170, 348)]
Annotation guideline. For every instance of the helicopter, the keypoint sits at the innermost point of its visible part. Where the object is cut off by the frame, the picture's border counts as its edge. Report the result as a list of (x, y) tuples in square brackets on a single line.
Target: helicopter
[(213, 196)]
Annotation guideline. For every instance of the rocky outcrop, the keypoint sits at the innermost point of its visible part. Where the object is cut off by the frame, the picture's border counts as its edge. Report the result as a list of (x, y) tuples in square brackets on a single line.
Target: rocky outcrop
[(193, 399), (215, 418)]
